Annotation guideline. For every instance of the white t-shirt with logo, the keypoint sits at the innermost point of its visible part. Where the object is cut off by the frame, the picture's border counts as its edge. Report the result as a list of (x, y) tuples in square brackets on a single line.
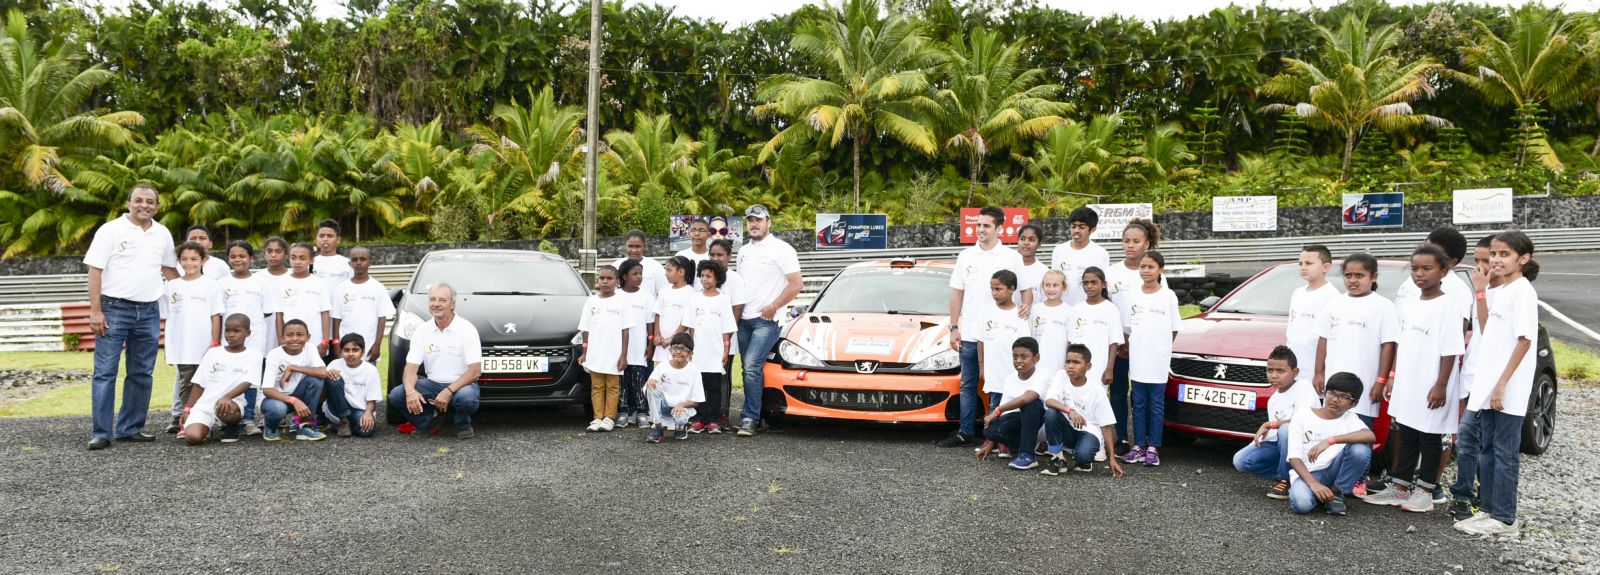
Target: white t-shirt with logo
[(974, 267), (1121, 281), (766, 266), (1073, 261), (332, 270), (638, 339), (1152, 319), (1284, 405), (361, 383), (1513, 316), (1305, 306), (220, 371), (445, 354), (998, 329), (249, 296), (304, 299), (215, 268), (1429, 330), (654, 277), (1028, 279), (669, 311), (605, 318), (189, 307), (269, 304), (1356, 329), (694, 257), (131, 259), (679, 385), (1097, 326), (1088, 400), (1050, 326), (1308, 429), (358, 306), (1013, 386), (278, 361), (709, 318)]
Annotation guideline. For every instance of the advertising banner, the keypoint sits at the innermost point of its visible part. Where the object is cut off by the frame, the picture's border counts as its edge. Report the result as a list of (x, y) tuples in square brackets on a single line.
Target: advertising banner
[(1380, 210), (852, 232), (1485, 206), (1244, 213), (722, 228), (1015, 219), (1115, 217)]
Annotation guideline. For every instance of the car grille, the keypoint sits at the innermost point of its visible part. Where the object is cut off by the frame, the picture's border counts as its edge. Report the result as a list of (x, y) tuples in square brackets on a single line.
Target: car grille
[(524, 351), (1235, 372), (1211, 417), (866, 400), (884, 367)]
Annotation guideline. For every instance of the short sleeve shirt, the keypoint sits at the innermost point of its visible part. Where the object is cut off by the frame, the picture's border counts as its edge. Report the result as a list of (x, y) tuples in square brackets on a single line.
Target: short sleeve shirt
[(974, 267), (358, 306), (766, 266), (130, 259), (1072, 262), (447, 353)]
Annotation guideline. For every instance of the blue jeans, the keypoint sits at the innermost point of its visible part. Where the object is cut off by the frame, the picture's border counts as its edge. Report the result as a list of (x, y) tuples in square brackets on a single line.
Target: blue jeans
[(1499, 463), (661, 411), (1269, 460), (1468, 446), (341, 408), (1019, 429), (463, 403), (1341, 477), (355, 423), (1059, 434), (137, 326), (632, 400), (759, 336), (249, 404), (1149, 413), (1119, 397), (309, 392), (970, 371)]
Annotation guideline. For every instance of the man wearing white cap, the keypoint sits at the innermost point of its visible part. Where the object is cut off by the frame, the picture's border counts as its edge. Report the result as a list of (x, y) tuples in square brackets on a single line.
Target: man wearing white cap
[(771, 272)]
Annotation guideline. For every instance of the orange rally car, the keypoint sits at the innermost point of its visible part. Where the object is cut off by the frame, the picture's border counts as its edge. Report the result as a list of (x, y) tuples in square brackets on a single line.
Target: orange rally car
[(874, 346)]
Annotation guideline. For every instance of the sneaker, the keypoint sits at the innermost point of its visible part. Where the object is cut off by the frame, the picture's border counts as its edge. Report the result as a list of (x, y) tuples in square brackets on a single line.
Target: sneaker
[(1024, 461), (1083, 467), (1492, 526), (1439, 497), (1041, 449), (174, 427), (343, 429), (1469, 525), (1100, 456), (1460, 510), (1392, 497), (956, 439), (655, 435), (271, 434), (1418, 501), (230, 434), (1122, 448), (250, 427), (1279, 491), (466, 433), (1336, 506), (697, 427), (1003, 453), (1135, 454), (623, 421), (594, 426), (1052, 466), (747, 428), (714, 428), (682, 433), (607, 424), (1379, 485), (309, 433), (1360, 490), (1152, 458)]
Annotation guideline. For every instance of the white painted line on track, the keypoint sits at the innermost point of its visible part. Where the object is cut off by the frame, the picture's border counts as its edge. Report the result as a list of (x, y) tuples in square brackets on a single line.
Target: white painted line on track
[(1567, 274), (1568, 321)]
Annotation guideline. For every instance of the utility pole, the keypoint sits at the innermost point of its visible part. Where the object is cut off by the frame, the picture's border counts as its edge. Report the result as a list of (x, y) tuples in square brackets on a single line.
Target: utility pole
[(591, 179)]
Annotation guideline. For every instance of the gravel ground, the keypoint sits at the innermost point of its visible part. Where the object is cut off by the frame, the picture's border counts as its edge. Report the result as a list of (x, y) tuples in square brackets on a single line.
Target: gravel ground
[(1560, 494), (534, 494)]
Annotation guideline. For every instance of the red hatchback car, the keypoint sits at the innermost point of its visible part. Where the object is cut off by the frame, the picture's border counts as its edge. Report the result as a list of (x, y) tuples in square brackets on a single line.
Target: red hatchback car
[(1218, 377)]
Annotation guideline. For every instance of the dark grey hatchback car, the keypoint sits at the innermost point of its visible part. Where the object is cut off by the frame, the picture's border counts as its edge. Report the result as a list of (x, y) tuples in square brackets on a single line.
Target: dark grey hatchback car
[(525, 305)]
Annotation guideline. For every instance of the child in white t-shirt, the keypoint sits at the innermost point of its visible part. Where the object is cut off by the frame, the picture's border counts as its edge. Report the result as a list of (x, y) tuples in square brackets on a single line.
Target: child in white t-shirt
[(671, 305), (332, 268), (1052, 318), (353, 388), (1267, 456), (1013, 421), (722, 252), (226, 372), (1152, 324), (276, 251), (293, 382), (1079, 253), (1419, 397), (305, 297), (1329, 448), (193, 309), (1307, 303), (361, 305), (712, 325), (632, 410), (247, 293), (674, 390), (1097, 323), (1467, 445), (998, 328), (1078, 414), (604, 323), (699, 232), (1120, 279), (1029, 238), (1357, 334)]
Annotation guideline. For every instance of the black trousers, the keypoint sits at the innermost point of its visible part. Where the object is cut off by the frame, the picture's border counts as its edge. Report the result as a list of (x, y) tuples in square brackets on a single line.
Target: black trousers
[(711, 410), (1019, 429), (1415, 447)]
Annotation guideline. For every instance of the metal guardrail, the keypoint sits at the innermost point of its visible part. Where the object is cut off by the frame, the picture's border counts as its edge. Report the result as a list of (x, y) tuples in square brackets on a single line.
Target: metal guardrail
[(819, 267)]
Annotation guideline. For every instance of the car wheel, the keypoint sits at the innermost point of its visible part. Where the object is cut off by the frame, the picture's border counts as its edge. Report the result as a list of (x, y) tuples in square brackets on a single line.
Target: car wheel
[(1539, 427)]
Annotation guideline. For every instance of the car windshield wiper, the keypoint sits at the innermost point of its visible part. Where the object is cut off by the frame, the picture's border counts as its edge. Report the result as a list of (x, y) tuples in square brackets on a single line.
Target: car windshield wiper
[(906, 312), (505, 293)]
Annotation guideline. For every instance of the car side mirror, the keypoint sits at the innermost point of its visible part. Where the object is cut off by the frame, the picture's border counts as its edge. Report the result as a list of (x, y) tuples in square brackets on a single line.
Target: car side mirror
[(394, 295), (1209, 302)]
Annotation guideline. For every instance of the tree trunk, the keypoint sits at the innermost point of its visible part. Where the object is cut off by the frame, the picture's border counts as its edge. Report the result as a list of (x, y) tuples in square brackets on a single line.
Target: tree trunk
[(1349, 150), (855, 172), (977, 166)]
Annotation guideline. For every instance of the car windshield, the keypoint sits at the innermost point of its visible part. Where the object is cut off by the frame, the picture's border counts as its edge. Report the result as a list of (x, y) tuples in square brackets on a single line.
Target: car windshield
[(1270, 293), (922, 291), (502, 275)]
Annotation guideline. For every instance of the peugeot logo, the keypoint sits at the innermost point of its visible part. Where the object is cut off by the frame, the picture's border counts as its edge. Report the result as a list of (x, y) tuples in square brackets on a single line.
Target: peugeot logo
[(866, 366), (510, 328), (1222, 371)]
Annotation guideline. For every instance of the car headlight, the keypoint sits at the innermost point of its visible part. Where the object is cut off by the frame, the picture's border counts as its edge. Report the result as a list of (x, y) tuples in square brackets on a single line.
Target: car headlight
[(942, 361), (409, 322), (577, 339), (791, 353)]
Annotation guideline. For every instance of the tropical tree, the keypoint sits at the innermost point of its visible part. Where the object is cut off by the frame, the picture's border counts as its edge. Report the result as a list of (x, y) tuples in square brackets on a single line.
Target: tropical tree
[(1539, 62), (991, 103), (875, 83), (1077, 157), (538, 143), (1357, 84)]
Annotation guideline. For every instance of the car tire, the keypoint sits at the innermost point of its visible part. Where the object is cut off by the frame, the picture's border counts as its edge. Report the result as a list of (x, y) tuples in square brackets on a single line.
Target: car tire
[(1539, 426)]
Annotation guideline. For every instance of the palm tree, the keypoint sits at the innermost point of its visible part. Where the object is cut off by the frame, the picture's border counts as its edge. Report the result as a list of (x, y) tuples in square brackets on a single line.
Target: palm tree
[(1162, 155), (875, 84), (1358, 84), (538, 142), (1537, 63), (1078, 157), (990, 104)]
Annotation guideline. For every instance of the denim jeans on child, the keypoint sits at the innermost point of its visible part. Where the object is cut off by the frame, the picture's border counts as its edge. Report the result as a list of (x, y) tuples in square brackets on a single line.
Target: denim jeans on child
[(632, 398), (1348, 467), (341, 407), (309, 392), (1149, 413), (1499, 463), (1061, 435), (1468, 446), (1267, 460), (136, 326), (661, 411), (759, 336), (463, 403), (1019, 429)]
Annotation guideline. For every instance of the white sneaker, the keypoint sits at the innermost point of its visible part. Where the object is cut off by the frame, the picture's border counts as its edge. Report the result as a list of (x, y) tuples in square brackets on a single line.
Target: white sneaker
[(595, 425), (622, 421), (607, 424), (1493, 526), (1467, 525), (1100, 456), (1418, 501), (1392, 496)]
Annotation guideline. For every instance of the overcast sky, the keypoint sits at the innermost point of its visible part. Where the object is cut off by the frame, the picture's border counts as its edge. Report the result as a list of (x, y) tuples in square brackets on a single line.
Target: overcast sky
[(738, 12)]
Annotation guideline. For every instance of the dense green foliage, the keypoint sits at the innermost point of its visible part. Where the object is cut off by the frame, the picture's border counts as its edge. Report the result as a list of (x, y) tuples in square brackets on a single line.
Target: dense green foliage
[(459, 119)]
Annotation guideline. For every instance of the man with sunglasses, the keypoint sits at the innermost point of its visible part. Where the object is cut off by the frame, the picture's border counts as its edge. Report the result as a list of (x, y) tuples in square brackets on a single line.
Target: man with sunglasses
[(1329, 449)]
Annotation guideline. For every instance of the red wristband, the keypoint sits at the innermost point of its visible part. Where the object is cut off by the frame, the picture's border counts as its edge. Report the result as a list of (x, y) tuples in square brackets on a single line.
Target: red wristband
[(1332, 441), (1483, 296), (1272, 425)]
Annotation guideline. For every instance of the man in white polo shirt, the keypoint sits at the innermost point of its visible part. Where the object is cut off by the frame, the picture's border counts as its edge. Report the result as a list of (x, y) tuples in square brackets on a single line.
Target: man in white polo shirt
[(969, 296), (128, 259), (448, 349), (771, 272)]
